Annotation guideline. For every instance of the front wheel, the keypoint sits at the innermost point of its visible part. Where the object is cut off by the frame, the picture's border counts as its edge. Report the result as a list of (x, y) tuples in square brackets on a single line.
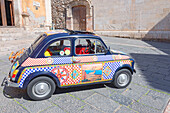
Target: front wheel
[(41, 88), (122, 78)]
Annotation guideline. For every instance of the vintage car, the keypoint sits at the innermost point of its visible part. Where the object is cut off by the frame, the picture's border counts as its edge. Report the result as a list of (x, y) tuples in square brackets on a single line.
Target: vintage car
[(66, 58)]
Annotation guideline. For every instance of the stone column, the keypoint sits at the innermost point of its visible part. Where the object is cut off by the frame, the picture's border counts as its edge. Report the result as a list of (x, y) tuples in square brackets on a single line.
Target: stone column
[(18, 12), (26, 20), (48, 20)]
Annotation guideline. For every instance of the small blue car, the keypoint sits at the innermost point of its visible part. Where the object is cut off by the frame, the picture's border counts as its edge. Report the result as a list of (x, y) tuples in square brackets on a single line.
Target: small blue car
[(66, 58)]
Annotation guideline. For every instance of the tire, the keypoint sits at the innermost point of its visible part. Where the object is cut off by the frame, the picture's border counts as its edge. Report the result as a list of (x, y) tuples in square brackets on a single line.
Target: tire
[(41, 88), (122, 78)]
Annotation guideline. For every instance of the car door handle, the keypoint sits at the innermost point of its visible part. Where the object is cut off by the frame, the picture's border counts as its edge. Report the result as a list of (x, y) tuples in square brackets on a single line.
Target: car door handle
[(76, 61)]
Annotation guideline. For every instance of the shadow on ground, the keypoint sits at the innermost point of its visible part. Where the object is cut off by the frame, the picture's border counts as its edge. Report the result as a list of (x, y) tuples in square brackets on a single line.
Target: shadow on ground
[(10, 92), (153, 71), (156, 68)]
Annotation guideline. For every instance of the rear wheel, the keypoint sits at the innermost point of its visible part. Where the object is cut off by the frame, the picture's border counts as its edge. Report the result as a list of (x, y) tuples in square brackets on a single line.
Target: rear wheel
[(41, 88), (122, 78)]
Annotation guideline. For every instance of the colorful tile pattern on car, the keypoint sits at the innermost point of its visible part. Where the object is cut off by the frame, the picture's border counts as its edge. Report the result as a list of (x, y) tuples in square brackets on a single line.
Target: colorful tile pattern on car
[(71, 74)]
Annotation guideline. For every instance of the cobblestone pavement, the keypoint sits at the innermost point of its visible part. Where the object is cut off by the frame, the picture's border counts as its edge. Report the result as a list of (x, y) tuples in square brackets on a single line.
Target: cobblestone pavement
[(149, 91)]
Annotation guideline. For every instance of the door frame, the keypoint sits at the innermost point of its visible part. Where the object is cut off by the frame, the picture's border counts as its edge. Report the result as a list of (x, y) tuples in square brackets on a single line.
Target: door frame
[(81, 26)]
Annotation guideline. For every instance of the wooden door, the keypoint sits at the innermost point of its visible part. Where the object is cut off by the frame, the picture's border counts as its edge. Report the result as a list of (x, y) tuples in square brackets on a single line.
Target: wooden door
[(79, 18), (6, 13)]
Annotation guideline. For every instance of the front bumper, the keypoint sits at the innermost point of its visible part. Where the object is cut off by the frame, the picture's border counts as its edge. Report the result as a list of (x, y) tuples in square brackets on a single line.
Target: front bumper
[(7, 82), (134, 70)]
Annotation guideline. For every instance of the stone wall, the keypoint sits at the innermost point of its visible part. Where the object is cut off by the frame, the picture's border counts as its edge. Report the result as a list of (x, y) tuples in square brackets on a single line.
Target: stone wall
[(149, 19), (32, 13), (59, 12), (146, 19), (62, 13)]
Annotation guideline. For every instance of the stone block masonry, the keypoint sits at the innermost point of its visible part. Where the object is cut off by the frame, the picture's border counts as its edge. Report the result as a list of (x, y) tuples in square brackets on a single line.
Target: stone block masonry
[(134, 19), (141, 19)]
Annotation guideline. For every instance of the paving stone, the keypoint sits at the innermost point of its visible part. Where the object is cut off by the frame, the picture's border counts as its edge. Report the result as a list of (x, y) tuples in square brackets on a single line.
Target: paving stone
[(141, 80), (105, 91), (121, 99), (102, 103), (125, 110), (167, 78), (160, 64), (154, 69), (143, 108), (12, 107), (1, 77), (8, 105), (5, 69), (155, 102), (13, 92), (153, 83), (160, 81), (68, 103), (37, 106), (157, 94), (83, 94), (159, 87), (57, 96), (89, 109), (111, 89), (158, 76), (164, 71), (135, 91), (53, 109)]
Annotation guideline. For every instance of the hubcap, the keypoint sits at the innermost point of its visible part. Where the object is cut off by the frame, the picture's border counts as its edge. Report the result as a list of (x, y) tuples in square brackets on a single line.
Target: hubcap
[(41, 89), (123, 79)]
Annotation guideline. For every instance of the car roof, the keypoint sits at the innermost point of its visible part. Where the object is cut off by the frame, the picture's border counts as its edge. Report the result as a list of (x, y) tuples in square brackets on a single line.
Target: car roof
[(69, 33), (52, 32)]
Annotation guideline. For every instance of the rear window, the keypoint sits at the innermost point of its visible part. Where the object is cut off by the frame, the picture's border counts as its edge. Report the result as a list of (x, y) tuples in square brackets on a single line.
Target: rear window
[(31, 48), (37, 41)]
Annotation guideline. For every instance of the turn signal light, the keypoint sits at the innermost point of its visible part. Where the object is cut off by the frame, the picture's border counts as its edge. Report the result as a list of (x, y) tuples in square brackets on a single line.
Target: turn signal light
[(14, 74)]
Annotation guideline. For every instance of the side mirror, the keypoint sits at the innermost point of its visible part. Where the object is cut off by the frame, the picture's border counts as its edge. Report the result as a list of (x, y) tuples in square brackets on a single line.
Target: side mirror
[(107, 50)]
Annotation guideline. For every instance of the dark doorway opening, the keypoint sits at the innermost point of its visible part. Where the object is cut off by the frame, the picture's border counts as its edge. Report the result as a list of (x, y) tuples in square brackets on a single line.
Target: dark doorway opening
[(79, 17), (0, 16), (6, 13), (9, 13)]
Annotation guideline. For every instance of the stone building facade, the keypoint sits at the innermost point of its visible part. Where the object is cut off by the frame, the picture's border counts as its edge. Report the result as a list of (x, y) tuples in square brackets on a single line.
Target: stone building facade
[(25, 13), (21, 19), (146, 19)]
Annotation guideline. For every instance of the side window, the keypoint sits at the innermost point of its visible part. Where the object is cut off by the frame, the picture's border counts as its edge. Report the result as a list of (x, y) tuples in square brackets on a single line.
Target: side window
[(88, 46), (85, 46), (59, 48)]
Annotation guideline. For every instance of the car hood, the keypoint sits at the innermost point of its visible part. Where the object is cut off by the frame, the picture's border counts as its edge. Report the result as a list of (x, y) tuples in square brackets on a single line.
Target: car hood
[(117, 52)]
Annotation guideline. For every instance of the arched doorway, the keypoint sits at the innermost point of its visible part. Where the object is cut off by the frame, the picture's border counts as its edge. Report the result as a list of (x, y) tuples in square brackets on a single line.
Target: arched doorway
[(79, 17)]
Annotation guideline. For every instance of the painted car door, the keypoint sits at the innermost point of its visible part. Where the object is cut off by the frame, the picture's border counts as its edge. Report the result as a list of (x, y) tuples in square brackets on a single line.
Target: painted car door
[(86, 68)]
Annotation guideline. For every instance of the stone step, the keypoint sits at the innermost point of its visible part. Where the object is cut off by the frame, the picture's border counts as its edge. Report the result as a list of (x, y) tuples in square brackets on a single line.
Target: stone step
[(7, 30), (15, 45), (11, 38), (18, 36), (21, 30)]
